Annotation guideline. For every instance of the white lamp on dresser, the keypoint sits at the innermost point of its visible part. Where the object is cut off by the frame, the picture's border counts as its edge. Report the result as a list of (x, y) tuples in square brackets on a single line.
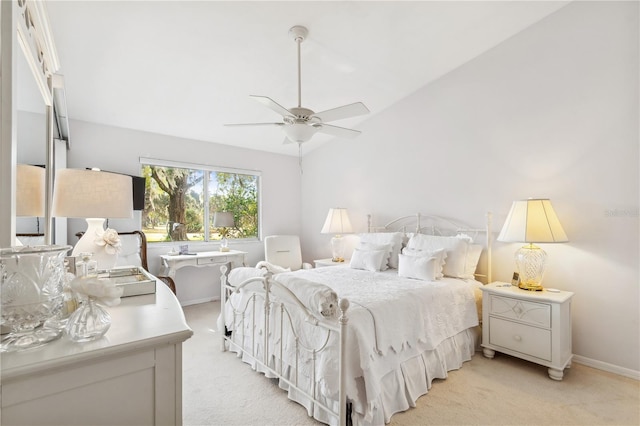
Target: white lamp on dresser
[(93, 195)]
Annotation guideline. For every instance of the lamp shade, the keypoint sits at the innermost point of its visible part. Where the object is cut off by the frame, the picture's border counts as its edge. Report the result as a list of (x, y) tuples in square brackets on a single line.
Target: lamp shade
[(30, 188), (223, 220), (532, 221), (337, 222), (92, 194)]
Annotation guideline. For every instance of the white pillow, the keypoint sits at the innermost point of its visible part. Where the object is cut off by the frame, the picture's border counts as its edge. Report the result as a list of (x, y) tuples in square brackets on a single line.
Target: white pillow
[(473, 257), (363, 245), (440, 255), (368, 260), (393, 238), (455, 247), (419, 267)]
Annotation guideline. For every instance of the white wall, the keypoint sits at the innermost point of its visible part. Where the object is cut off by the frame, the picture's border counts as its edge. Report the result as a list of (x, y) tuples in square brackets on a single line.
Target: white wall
[(119, 150), (551, 112)]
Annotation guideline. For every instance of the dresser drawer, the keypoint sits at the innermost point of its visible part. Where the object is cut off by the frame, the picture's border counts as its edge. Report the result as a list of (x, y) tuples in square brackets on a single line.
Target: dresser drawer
[(522, 310), (211, 260), (522, 338)]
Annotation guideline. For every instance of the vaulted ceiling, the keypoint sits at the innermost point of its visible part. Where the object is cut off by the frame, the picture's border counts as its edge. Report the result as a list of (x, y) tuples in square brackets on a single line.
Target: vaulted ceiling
[(186, 68)]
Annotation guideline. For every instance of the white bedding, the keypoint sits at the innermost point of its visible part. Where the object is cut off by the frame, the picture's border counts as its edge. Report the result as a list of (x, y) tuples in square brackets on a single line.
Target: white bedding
[(392, 321)]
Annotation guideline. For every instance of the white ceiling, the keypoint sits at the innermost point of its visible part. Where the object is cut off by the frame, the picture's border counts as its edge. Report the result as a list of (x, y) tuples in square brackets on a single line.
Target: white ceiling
[(185, 68)]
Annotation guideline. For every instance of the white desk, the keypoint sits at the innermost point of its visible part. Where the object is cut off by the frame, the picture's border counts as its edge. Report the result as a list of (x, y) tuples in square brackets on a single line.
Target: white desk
[(131, 376), (172, 263)]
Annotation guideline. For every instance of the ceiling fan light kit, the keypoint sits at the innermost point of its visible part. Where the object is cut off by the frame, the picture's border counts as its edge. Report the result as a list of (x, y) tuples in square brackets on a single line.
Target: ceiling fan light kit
[(299, 123)]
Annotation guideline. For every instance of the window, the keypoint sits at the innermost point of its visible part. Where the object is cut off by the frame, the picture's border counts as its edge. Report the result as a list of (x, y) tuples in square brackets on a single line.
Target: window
[(181, 200)]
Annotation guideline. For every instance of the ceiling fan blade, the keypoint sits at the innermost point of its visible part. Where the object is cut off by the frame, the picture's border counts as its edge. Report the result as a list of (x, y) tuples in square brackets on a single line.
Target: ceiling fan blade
[(271, 104), (255, 124), (345, 111), (342, 132)]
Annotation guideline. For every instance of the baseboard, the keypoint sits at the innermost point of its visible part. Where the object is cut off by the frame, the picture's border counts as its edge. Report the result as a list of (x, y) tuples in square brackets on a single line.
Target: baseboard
[(198, 301), (600, 365)]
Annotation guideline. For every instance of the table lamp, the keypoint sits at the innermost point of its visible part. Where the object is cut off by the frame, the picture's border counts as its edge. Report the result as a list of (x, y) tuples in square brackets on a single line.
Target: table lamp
[(337, 223), (532, 221), (30, 188), (223, 220), (93, 195)]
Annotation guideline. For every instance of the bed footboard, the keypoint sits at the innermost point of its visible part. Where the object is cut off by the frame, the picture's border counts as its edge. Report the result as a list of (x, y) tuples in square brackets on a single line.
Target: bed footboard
[(266, 331)]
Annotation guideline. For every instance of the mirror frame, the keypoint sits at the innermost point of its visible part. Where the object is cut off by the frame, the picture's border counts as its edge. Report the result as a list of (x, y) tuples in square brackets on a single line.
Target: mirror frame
[(24, 23)]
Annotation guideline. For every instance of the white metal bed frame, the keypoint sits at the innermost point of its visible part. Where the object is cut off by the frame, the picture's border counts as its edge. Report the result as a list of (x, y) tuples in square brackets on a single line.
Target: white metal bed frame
[(283, 310)]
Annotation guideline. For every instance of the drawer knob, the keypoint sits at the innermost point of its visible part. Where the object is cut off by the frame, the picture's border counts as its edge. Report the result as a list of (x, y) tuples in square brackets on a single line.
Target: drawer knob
[(517, 338)]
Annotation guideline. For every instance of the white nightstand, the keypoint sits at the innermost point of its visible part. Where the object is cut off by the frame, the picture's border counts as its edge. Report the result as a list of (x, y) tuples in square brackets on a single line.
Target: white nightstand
[(532, 325), (328, 262)]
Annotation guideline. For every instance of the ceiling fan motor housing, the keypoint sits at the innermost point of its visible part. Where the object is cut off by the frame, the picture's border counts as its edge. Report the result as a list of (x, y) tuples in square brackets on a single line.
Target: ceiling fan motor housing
[(300, 112), (298, 33)]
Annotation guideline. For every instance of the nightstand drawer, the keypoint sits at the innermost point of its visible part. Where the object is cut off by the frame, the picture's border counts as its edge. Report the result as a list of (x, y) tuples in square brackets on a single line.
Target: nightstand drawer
[(211, 260), (522, 338), (522, 310)]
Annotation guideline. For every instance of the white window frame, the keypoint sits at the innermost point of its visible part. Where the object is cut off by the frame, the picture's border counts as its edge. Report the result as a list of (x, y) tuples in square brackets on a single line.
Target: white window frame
[(148, 161)]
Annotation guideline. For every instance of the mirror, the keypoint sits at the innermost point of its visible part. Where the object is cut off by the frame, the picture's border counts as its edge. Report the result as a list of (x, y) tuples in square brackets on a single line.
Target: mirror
[(35, 144), (31, 135)]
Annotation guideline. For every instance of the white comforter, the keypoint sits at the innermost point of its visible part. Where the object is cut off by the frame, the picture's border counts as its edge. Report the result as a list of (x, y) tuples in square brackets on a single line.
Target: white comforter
[(393, 313), (391, 320)]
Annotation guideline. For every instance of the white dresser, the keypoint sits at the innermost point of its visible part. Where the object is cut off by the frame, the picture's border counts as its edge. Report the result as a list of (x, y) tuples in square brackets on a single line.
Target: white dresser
[(132, 376), (532, 325)]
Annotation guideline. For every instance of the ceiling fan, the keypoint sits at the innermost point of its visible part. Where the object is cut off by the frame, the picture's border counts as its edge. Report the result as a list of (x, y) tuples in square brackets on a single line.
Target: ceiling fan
[(299, 123)]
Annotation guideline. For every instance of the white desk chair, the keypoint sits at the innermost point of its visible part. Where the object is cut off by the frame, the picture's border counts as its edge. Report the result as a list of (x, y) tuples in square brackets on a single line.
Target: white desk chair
[(284, 251)]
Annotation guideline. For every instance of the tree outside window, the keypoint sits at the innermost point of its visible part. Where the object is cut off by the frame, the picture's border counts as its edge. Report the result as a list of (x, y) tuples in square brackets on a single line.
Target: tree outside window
[(180, 201)]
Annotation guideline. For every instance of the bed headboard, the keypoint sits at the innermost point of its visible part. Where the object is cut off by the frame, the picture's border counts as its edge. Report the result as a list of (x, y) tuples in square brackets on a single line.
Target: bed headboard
[(437, 225)]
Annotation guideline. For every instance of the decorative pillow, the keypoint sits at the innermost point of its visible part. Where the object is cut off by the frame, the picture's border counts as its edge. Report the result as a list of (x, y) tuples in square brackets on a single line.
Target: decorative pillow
[(363, 245), (419, 267), (368, 260), (473, 257), (439, 254), (393, 238), (455, 247)]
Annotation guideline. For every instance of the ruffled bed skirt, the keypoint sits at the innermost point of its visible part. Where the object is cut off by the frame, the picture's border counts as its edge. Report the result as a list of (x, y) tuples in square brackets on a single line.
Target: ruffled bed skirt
[(401, 388)]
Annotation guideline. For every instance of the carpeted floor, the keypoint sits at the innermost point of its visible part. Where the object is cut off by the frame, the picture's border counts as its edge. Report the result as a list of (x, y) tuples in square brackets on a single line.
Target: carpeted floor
[(219, 389)]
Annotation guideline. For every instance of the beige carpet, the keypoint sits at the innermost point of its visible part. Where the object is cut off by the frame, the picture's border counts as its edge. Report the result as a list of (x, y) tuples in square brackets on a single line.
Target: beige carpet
[(219, 389)]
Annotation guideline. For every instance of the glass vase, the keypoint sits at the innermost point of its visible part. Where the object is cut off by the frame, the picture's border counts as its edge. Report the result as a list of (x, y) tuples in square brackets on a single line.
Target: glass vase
[(89, 322), (31, 291)]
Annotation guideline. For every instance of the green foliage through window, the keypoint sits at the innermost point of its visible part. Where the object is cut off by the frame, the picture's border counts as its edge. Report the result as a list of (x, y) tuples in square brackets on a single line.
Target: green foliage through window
[(180, 203)]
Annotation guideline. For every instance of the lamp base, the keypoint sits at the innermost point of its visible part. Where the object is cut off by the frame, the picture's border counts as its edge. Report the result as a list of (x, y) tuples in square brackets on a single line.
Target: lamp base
[(531, 286), (87, 244), (224, 244), (531, 261), (337, 249)]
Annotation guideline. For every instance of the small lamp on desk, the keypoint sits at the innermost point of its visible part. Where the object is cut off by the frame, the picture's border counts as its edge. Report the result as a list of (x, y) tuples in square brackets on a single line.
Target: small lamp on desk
[(337, 223), (532, 221), (223, 220)]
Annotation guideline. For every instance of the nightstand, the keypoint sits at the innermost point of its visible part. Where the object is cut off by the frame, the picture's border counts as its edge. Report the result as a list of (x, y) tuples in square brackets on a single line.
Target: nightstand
[(328, 262), (532, 325)]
